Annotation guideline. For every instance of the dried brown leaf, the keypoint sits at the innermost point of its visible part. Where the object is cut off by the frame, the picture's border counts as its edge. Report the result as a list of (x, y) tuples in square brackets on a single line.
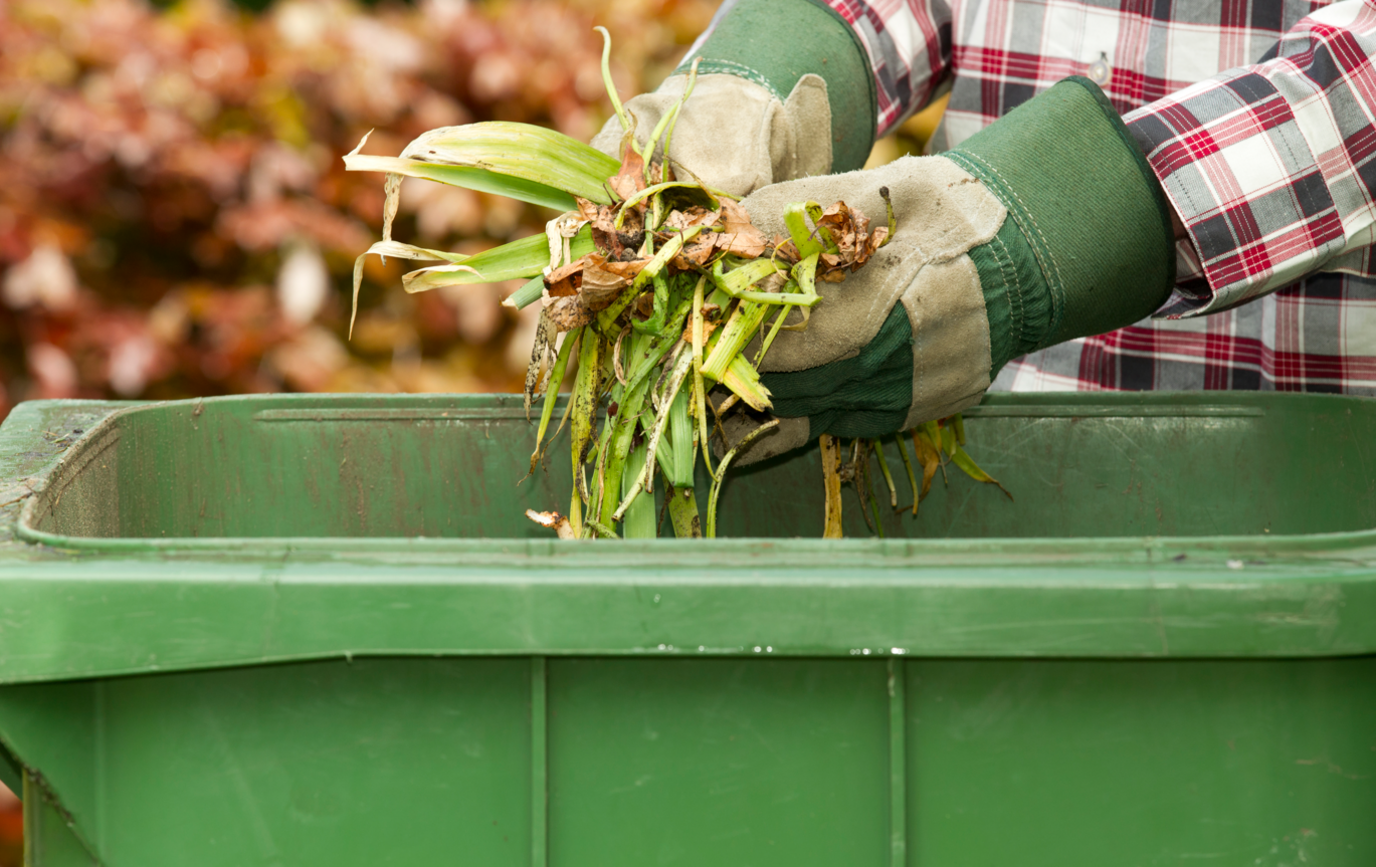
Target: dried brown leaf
[(734, 217), (771, 283), (627, 268), (748, 243), (696, 254), (589, 211), (554, 521), (565, 280), (622, 242), (602, 282), (631, 179), (539, 350), (569, 313), (738, 234), (645, 305), (683, 220), (929, 457), (849, 230)]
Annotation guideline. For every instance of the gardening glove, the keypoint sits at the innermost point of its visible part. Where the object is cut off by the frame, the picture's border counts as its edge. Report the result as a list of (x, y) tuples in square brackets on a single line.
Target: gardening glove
[(1045, 226), (759, 111)]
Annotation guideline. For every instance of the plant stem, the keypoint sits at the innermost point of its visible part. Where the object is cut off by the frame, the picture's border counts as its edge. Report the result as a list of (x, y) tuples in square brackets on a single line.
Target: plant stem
[(742, 325), (878, 445), (639, 520), (677, 373), (699, 387), (584, 401), (607, 78), (908, 465), (773, 332), (556, 379), (720, 474), (669, 133), (683, 512), (831, 477)]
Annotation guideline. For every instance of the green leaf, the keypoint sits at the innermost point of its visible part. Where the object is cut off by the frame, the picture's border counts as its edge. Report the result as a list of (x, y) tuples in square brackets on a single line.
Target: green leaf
[(518, 160), (528, 294), (470, 178), (640, 370), (622, 434), (655, 324), (808, 241), (682, 363), (585, 388), (556, 379), (737, 283), (805, 275), (525, 258), (665, 255), (639, 518), (962, 459), (681, 435), (795, 219), (731, 338), (655, 190), (742, 277), (744, 380), (400, 251), (878, 446)]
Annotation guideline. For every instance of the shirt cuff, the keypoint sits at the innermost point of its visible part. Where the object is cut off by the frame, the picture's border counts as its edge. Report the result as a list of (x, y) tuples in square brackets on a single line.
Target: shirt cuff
[(1235, 164)]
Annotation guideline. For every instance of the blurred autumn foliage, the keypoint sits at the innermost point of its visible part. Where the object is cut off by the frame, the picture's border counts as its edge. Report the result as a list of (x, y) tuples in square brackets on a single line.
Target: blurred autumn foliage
[(174, 215)]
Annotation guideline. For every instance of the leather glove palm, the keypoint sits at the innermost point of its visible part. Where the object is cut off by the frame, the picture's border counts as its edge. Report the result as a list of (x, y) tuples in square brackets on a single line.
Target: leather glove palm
[(765, 109)]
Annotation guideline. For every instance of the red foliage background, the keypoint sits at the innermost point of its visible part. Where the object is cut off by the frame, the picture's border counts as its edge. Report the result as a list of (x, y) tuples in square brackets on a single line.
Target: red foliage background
[(174, 215)]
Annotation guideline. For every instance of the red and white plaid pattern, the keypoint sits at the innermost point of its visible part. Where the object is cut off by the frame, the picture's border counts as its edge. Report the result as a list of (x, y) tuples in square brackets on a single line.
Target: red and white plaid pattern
[(1259, 117)]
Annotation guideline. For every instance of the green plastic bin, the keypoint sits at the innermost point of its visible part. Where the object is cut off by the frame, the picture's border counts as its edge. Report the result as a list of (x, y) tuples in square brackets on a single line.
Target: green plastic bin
[(318, 630)]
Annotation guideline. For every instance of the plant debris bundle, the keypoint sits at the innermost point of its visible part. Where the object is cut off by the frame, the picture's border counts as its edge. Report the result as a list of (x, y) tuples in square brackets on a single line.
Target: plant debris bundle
[(663, 290), (936, 444)]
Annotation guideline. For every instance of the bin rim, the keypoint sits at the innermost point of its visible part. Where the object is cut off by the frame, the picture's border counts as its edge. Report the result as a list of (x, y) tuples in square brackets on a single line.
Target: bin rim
[(1356, 545)]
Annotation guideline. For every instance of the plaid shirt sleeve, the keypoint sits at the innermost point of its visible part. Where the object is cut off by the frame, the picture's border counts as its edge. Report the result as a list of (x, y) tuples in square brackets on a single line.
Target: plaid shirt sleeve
[(1272, 167), (909, 47)]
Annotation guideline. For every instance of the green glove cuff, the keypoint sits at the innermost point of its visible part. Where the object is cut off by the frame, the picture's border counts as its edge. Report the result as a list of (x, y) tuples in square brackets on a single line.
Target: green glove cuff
[(867, 395), (774, 43), (1089, 247)]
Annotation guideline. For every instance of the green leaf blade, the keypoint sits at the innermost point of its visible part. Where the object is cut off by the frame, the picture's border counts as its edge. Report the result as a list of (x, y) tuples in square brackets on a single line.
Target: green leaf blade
[(519, 150), (521, 259), (468, 177)]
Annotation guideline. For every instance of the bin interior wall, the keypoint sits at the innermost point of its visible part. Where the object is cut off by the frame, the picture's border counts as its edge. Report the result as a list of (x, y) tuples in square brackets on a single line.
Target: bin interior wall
[(450, 467), (689, 762)]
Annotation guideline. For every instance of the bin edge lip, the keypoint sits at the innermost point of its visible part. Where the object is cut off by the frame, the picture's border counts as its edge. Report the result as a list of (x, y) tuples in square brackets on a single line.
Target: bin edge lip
[(1346, 546), (1355, 547)]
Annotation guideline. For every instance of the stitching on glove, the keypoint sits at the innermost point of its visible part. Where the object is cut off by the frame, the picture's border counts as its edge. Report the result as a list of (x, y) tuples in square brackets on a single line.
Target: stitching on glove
[(740, 70), (1010, 280), (1057, 284)]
